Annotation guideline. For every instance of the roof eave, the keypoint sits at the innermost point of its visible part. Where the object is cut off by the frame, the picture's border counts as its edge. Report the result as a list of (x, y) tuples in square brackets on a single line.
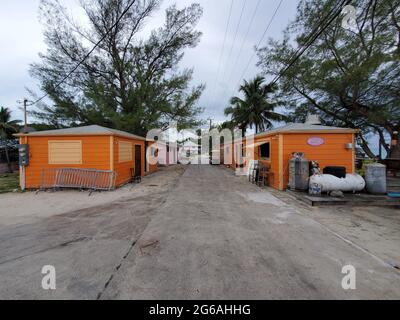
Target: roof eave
[(272, 133), (76, 134)]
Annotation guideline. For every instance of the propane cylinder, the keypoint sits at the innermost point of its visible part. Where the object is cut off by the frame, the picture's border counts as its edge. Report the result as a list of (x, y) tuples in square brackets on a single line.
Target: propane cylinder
[(299, 172), (352, 182), (375, 177)]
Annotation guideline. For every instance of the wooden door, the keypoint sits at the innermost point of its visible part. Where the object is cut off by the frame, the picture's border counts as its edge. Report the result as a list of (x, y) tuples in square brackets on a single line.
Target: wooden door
[(138, 161)]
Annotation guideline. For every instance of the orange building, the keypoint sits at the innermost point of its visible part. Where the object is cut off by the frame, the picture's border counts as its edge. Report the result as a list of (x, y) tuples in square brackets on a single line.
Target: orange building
[(90, 147), (329, 146)]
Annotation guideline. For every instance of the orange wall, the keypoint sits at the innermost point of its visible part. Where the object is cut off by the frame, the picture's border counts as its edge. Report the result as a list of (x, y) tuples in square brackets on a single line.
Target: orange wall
[(123, 169), (227, 156), (95, 155), (331, 153), (273, 161)]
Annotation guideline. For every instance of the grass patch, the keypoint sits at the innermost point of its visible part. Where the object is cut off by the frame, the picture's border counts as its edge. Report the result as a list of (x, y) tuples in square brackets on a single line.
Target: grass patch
[(361, 171), (9, 182)]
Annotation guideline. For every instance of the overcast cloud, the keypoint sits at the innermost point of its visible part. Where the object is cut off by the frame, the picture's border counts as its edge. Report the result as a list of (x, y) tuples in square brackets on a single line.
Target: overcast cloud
[(22, 40)]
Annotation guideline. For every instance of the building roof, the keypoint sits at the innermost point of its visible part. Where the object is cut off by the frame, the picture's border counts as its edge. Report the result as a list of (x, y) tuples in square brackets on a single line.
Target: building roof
[(93, 130), (305, 127)]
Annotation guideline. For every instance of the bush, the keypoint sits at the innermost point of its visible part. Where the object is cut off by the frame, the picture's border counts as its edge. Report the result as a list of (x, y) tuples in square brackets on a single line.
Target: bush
[(361, 171)]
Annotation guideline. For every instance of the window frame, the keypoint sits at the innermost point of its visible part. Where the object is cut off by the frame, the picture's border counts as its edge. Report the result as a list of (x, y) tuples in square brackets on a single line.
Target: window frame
[(126, 143), (259, 151), (54, 162)]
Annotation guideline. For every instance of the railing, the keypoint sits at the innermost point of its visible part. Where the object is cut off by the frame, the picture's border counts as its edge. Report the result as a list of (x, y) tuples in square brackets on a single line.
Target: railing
[(78, 179)]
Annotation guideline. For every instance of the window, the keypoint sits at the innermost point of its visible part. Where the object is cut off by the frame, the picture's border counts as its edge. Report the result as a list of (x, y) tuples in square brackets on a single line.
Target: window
[(65, 152), (125, 151), (265, 151), (242, 146)]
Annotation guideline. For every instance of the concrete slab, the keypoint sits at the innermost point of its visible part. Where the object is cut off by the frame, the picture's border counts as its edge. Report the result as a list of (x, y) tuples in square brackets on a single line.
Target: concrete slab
[(217, 238), (348, 200), (203, 234)]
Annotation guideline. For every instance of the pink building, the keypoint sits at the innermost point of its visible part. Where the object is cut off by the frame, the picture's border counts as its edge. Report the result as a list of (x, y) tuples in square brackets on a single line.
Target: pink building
[(167, 153)]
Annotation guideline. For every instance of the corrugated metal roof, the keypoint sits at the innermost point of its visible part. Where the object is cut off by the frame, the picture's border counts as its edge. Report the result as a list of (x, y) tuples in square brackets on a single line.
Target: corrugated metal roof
[(298, 127), (87, 130)]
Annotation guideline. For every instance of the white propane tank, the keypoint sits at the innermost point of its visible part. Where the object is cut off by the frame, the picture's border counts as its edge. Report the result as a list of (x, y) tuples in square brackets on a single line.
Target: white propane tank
[(328, 182)]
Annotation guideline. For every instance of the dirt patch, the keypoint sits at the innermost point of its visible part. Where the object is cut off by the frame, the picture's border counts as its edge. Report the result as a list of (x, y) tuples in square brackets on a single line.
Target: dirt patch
[(24, 207)]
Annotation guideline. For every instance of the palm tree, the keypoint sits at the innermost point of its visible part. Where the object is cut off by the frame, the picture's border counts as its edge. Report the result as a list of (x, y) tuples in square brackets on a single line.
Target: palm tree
[(7, 126), (254, 110)]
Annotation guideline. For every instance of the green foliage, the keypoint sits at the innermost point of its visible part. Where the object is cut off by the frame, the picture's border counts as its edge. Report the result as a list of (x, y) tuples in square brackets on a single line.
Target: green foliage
[(9, 182), (361, 171), (349, 77), (226, 125), (255, 109), (7, 126), (129, 82)]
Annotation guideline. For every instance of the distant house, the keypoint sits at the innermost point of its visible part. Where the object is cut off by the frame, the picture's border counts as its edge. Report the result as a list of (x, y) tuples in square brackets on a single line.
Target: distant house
[(89, 147), (167, 153), (189, 148)]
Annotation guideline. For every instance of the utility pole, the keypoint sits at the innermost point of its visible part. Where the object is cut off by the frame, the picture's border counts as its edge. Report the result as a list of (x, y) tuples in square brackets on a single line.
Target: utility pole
[(25, 116), (209, 119), (23, 141), (210, 146)]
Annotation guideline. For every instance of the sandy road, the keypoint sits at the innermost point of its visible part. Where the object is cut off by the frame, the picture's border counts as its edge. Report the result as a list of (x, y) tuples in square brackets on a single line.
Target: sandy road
[(196, 232), (219, 237)]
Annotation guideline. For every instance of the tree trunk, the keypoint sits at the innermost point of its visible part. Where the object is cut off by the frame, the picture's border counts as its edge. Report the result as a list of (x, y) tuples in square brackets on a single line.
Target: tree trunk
[(10, 170), (365, 147), (383, 142), (394, 146)]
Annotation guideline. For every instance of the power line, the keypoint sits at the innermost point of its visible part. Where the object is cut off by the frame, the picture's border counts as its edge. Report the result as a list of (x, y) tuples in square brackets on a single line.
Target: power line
[(300, 51), (88, 54), (245, 37), (235, 37), (260, 41), (222, 50), (316, 29)]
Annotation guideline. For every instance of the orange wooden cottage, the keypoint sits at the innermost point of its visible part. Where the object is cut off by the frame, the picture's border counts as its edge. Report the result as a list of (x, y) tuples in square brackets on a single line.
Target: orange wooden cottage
[(329, 146), (89, 147)]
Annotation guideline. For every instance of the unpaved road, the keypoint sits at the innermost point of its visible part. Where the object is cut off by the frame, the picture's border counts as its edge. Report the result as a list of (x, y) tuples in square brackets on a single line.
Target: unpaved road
[(86, 246), (205, 235)]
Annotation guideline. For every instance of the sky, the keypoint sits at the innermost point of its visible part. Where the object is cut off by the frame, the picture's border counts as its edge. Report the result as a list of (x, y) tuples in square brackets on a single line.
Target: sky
[(21, 37)]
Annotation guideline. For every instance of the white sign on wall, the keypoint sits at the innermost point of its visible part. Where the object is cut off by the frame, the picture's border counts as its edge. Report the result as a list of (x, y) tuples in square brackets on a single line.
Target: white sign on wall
[(315, 141)]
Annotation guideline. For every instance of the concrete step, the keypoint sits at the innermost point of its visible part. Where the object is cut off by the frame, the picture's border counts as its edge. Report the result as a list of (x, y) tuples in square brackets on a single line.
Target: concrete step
[(348, 200)]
